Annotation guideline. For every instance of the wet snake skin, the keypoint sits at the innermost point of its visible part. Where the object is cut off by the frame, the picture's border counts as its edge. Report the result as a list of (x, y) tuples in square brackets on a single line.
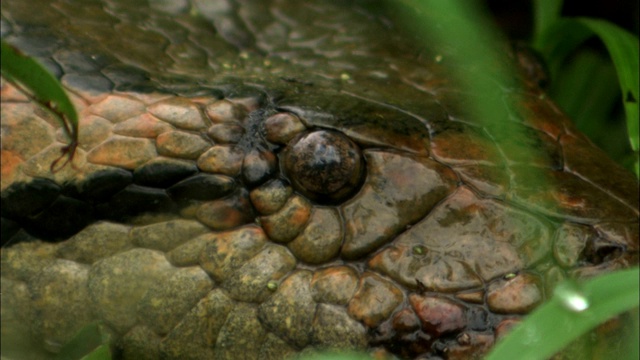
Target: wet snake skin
[(259, 179)]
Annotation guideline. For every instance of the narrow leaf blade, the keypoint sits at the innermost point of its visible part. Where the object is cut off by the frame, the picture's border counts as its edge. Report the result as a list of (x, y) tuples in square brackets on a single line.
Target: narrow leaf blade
[(550, 327), (44, 86)]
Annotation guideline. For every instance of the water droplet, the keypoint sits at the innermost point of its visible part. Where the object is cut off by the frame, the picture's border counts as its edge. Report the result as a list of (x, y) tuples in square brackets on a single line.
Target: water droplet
[(464, 339), (571, 296), (510, 276), (419, 250), (272, 285)]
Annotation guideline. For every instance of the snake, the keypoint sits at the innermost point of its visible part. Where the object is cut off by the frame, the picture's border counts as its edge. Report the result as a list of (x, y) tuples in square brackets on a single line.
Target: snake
[(264, 179)]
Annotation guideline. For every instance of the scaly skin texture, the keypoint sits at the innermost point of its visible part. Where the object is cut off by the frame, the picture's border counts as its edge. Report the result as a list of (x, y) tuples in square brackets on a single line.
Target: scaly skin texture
[(178, 226)]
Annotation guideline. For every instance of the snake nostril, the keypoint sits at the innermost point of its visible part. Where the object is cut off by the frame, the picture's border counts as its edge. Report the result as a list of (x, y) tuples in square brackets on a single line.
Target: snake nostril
[(324, 165), (598, 250)]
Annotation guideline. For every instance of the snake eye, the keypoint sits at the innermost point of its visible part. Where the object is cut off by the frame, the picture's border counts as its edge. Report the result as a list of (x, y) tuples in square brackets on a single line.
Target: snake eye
[(324, 165)]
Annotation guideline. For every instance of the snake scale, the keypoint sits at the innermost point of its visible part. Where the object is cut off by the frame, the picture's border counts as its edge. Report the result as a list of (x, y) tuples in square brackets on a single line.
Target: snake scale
[(258, 179)]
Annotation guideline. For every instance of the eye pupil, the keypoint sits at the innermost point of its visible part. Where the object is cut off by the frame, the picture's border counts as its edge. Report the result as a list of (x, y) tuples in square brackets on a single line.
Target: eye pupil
[(323, 165)]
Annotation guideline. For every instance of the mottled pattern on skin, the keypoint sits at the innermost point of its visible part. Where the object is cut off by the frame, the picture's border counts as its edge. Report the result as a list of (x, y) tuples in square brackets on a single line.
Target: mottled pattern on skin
[(179, 229)]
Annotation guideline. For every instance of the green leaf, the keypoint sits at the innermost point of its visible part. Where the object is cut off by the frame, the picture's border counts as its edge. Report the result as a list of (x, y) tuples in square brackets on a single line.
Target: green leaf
[(103, 352), (473, 53), (587, 105), (45, 87), (623, 47), (31, 77), (90, 343), (624, 50), (558, 322), (594, 109), (546, 12), (463, 27)]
